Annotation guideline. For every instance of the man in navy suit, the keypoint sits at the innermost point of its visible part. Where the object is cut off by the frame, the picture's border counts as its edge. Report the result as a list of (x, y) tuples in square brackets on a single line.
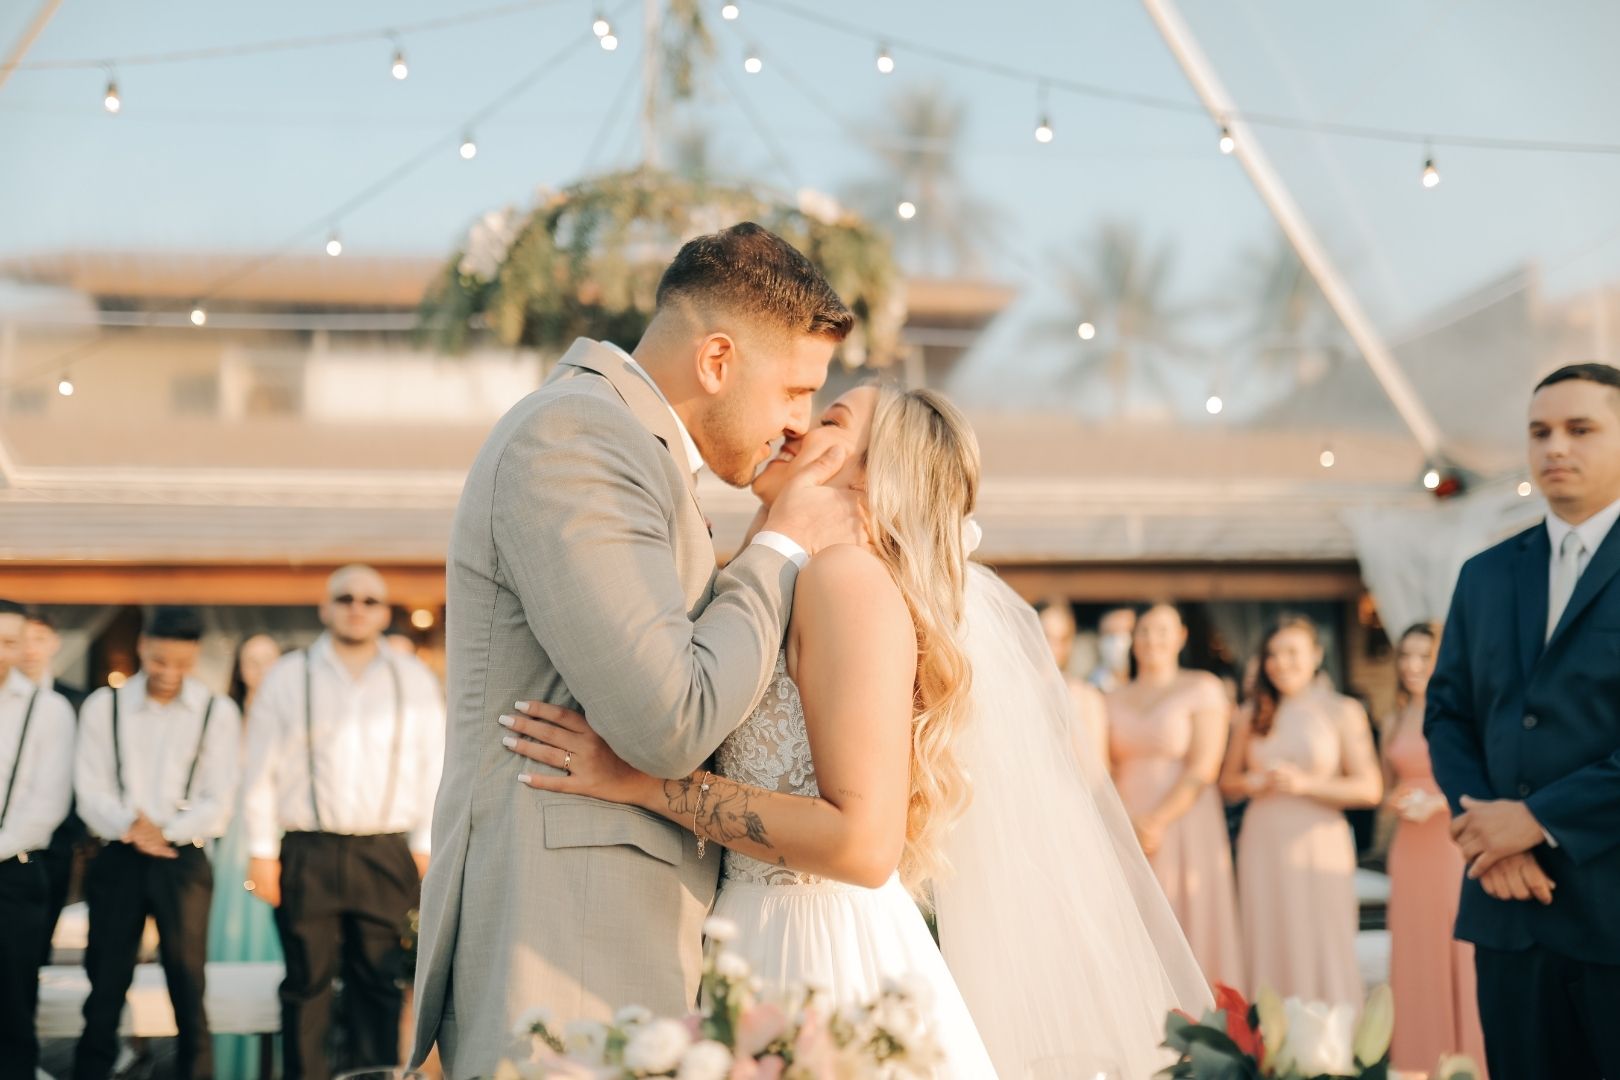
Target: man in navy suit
[(1524, 730)]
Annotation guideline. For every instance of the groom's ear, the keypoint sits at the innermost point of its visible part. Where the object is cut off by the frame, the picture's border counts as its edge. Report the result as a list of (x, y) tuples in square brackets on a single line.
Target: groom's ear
[(715, 361)]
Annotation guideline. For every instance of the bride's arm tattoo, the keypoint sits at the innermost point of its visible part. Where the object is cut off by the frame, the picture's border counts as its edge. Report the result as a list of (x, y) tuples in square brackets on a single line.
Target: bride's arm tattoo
[(681, 795), (728, 813)]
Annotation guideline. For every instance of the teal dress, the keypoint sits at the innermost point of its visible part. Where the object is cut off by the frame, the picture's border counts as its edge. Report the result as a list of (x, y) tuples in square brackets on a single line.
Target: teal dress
[(240, 928)]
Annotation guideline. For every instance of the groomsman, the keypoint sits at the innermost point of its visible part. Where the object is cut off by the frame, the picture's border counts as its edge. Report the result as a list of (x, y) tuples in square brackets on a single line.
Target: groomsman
[(36, 777), (345, 746), (41, 643), (1524, 730), (155, 776)]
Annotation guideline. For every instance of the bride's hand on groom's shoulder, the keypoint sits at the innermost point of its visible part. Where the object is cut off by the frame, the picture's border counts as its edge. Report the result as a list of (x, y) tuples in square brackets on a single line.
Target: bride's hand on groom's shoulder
[(814, 515), (579, 761)]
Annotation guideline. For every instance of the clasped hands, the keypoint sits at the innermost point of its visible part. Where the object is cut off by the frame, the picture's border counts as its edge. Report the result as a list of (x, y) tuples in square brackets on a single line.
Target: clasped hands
[(148, 839), (1496, 837)]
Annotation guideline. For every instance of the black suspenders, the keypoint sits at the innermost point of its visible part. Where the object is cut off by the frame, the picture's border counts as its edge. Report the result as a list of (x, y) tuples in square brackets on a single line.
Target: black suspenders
[(196, 757), (309, 738), (22, 741)]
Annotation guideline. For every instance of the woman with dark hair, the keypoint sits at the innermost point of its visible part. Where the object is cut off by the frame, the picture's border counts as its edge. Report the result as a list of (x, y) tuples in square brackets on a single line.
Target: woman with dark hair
[(1436, 1009), (1302, 755)]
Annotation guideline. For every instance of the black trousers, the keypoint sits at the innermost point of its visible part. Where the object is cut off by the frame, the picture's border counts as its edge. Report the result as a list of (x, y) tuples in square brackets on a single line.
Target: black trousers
[(23, 901), (58, 860), (1547, 1016), (122, 888), (344, 904)]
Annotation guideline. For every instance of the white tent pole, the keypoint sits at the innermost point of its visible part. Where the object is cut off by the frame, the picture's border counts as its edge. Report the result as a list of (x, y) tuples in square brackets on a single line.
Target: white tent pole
[(1292, 221), (26, 41)]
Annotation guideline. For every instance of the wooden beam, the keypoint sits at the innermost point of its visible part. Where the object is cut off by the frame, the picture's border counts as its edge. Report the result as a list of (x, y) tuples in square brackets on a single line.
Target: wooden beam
[(1142, 582), (410, 585)]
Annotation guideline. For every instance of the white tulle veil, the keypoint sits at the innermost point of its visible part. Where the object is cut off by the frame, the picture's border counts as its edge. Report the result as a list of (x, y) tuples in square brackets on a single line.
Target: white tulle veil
[(1051, 920)]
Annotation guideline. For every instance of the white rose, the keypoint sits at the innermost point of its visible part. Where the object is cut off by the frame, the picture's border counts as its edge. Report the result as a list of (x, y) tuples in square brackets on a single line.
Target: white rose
[(585, 1040), (731, 966), (719, 928), (632, 1016), (657, 1048), (707, 1060), (529, 1019), (1319, 1038)]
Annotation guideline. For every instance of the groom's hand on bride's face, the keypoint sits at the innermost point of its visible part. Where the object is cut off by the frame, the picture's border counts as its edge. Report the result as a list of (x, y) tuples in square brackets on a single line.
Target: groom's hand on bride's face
[(815, 516)]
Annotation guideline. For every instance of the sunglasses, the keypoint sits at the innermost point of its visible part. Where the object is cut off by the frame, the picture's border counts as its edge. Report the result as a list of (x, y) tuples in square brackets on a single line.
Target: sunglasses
[(350, 600)]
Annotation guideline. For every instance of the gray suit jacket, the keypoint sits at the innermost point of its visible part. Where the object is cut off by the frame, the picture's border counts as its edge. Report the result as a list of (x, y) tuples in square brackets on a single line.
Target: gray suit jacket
[(581, 573)]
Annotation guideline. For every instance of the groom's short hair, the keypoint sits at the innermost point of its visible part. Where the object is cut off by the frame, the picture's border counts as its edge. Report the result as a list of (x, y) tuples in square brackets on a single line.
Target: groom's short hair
[(749, 270)]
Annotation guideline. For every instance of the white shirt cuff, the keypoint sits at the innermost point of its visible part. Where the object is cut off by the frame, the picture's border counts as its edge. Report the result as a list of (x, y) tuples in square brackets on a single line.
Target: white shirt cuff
[(1547, 836), (784, 547)]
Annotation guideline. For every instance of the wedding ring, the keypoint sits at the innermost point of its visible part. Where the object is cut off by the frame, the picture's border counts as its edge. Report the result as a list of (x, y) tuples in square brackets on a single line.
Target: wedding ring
[(568, 762)]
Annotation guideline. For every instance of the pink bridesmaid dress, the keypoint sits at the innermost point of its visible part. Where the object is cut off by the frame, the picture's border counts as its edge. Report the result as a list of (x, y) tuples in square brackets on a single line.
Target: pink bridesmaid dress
[(1194, 859), (1432, 975), (1296, 864)]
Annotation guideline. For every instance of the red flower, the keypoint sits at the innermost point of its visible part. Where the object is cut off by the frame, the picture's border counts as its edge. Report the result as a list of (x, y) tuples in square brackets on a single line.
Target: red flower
[(1238, 1028)]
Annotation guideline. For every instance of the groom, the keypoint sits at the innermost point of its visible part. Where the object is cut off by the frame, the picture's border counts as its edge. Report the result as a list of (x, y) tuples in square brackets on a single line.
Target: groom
[(581, 568), (1524, 731)]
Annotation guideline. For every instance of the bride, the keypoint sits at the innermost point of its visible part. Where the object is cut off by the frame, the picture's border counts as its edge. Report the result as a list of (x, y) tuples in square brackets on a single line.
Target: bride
[(915, 744)]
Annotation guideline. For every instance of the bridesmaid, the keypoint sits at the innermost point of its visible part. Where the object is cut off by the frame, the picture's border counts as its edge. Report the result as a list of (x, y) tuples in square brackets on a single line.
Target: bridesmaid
[(1436, 1011), (1167, 731), (240, 928), (1091, 718), (1302, 755)]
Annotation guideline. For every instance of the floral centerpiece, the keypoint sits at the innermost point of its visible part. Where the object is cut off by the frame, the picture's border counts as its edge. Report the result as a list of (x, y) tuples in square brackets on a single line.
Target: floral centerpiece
[(1273, 1039), (737, 1034)]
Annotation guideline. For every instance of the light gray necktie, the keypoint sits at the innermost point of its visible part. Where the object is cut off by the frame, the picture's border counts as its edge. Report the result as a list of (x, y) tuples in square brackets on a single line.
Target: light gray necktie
[(1566, 571)]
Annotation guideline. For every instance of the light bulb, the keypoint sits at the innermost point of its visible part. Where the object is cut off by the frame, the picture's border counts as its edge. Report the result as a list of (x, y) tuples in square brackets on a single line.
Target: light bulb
[(116, 679), (1327, 459), (1228, 144), (1214, 405), (64, 385), (907, 210), (1431, 479), (469, 149), (885, 62), (400, 70), (729, 12), (1087, 331), (422, 618), (601, 27), (1043, 131), (111, 101), (1431, 175), (1525, 489), (753, 65), (199, 317), (609, 42), (334, 246)]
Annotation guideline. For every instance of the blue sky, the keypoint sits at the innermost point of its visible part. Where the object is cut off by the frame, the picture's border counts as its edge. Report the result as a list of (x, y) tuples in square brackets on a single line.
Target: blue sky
[(237, 154)]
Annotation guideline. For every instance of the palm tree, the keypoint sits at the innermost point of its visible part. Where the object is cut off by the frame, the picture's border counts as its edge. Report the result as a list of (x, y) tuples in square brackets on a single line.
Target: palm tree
[(1119, 286), (1288, 322), (918, 147)]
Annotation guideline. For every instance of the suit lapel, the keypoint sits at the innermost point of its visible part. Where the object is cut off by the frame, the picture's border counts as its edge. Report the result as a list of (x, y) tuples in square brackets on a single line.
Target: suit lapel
[(1530, 587), (1605, 563), (645, 403)]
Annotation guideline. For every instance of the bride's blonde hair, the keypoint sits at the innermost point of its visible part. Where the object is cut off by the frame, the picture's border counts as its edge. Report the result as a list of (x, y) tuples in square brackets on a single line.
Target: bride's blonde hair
[(922, 482)]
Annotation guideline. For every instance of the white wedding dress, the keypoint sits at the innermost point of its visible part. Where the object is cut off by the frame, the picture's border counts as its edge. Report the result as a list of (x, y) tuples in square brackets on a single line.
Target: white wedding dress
[(796, 930)]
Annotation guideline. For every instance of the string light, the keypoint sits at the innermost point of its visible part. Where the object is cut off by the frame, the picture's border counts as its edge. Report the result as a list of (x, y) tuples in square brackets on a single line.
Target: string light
[(422, 618), (885, 62), (1214, 405), (1087, 331), (199, 317), (907, 210), (334, 245), (1327, 459), (1043, 126), (753, 64), (400, 69), (469, 148), (609, 42), (1431, 175), (1525, 489), (729, 12), (64, 385), (110, 100), (1431, 479), (601, 27), (1228, 144)]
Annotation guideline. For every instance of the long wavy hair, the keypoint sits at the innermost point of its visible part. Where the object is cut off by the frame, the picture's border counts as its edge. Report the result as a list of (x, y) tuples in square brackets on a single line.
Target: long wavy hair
[(922, 480), (1266, 695)]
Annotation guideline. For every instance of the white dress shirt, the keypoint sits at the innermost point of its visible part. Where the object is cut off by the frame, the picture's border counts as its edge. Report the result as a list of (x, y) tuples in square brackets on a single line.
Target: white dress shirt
[(783, 545), (377, 753), (40, 783), (157, 743), (1592, 532)]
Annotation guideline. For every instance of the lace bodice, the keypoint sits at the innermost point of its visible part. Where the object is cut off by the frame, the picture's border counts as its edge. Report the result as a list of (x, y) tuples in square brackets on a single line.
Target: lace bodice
[(771, 749)]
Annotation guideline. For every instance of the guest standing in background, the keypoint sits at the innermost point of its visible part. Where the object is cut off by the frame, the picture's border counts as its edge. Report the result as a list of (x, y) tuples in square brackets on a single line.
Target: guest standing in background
[(1091, 718), (240, 929), (1167, 733), (1301, 755), (1114, 632), (345, 747), (155, 775), (1431, 975), (41, 644), (36, 779)]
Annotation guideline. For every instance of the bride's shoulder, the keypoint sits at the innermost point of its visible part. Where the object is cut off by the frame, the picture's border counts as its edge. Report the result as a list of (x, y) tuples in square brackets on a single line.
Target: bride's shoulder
[(842, 575)]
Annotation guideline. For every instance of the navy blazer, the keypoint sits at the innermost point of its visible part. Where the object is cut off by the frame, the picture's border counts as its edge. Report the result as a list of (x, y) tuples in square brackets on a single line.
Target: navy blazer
[(1513, 715)]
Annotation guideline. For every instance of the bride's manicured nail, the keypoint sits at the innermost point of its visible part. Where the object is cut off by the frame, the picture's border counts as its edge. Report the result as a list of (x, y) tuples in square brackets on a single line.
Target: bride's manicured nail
[(506, 721), (509, 741), (521, 706), (523, 778)]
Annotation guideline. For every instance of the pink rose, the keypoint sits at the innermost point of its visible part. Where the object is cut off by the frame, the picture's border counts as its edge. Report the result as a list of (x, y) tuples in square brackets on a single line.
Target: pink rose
[(759, 1027)]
